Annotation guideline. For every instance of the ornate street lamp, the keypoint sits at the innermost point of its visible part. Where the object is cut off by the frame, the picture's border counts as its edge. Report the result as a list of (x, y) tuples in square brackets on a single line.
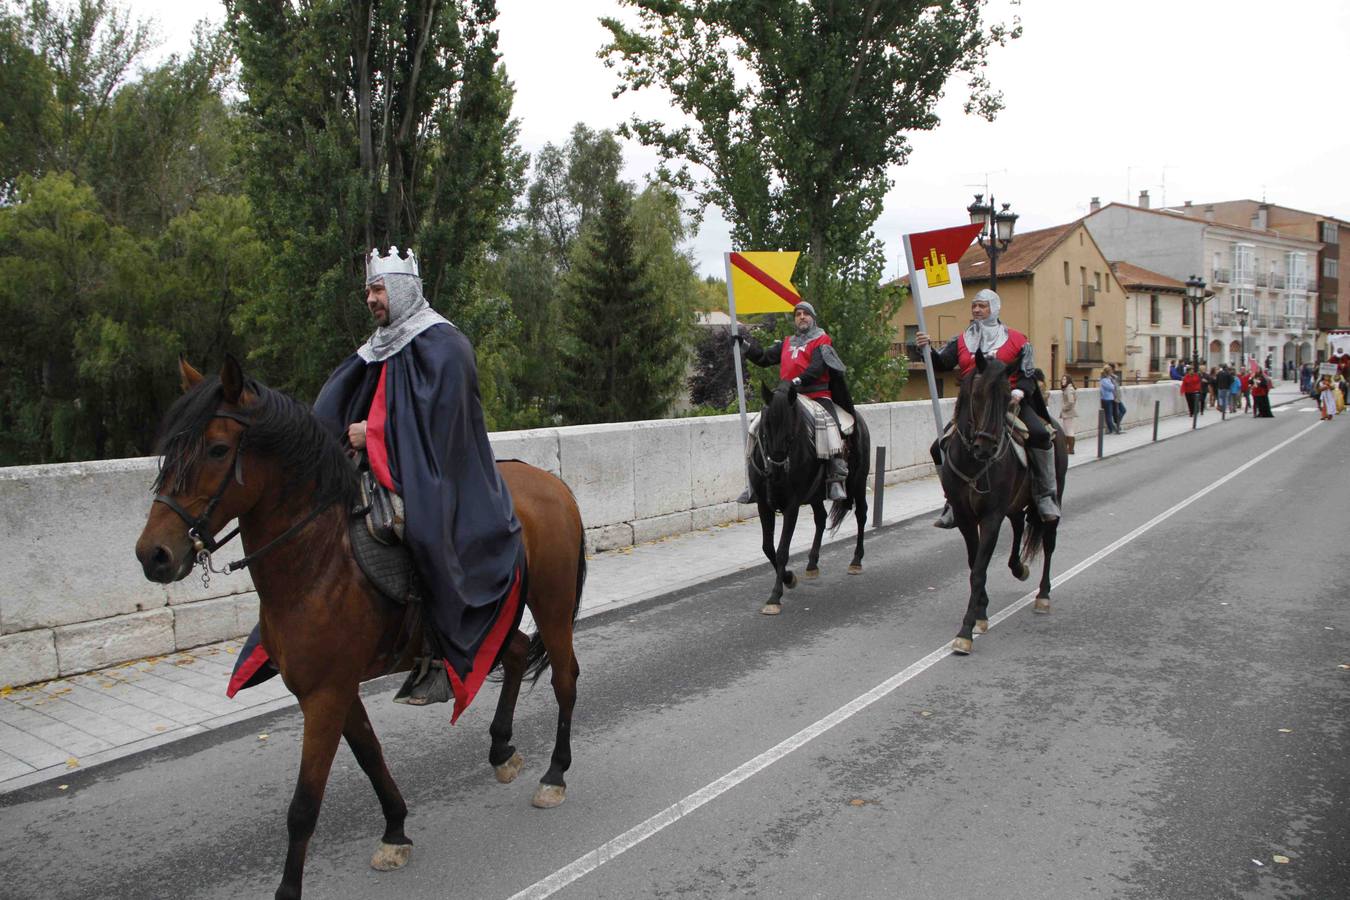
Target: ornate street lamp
[(996, 231), (1195, 295), (1242, 312)]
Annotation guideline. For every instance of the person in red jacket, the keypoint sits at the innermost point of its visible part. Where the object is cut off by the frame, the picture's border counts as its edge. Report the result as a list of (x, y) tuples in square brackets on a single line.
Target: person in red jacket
[(1246, 379), (1261, 396), (808, 359), (1011, 347), (1190, 389)]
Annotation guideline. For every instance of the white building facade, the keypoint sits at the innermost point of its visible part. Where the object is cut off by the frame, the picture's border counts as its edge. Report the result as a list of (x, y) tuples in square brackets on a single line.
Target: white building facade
[(1273, 276)]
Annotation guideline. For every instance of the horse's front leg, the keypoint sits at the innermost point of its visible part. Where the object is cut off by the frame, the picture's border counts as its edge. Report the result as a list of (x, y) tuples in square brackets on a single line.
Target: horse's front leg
[(785, 577), (1015, 563), (325, 713), (766, 523), (978, 604), (395, 848), (813, 559)]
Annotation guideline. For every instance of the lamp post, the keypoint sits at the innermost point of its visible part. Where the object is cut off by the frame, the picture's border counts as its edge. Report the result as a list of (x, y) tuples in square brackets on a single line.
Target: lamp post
[(996, 231), (1195, 295), (1242, 312)]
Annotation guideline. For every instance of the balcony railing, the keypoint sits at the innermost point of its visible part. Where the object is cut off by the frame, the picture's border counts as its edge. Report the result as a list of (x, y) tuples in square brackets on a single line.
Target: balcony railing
[(1224, 317), (910, 350), (1087, 352), (1277, 281), (1222, 276), (1262, 279)]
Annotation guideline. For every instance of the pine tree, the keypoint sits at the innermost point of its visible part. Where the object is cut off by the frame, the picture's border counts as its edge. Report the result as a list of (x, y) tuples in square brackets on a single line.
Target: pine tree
[(622, 358)]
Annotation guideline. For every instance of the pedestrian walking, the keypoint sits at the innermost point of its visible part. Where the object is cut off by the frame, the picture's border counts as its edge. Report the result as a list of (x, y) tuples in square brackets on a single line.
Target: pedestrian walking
[(1208, 382), (1326, 399), (1245, 382), (1068, 409), (1261, 396), (1235, 394), (1190, 389), (1223, 387), (1107, 390)]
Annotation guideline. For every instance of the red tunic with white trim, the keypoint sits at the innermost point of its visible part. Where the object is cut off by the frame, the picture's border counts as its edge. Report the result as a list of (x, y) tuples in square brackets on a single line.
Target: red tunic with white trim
[(794, 362), (1006, 354)]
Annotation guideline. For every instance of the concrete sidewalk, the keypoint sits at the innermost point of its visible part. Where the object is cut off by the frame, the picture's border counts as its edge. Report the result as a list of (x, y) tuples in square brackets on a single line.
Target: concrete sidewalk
[(50, 729)]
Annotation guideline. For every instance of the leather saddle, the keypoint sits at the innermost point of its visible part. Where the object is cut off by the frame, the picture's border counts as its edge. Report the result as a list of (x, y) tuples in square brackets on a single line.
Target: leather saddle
[(375, 530)]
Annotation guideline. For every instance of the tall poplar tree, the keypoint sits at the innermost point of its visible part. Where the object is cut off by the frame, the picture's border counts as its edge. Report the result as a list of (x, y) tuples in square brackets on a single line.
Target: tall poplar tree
[(798, 109), (370, 124)]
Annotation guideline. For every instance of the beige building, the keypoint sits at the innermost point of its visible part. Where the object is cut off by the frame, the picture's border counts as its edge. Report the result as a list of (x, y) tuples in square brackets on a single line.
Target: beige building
[(1057, 288), (1157, 322)]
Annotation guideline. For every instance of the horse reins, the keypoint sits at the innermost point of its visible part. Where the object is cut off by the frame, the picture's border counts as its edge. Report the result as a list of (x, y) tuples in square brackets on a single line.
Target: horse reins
[(200, 533), (1004, 442)]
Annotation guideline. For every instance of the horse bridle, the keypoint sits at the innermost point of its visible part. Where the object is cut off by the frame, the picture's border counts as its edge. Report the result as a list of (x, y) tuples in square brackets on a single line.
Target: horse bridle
[(200, 533), (1004, 442)]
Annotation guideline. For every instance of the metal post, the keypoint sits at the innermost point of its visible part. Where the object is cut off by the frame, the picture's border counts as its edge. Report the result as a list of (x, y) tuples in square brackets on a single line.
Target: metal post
[(736, 355), (1157, 405), (879, 487), (1101, 425)]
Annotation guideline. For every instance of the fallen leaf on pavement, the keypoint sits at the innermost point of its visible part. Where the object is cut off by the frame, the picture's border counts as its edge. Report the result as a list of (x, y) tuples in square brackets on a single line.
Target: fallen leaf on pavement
[(927, 713), (857, 801), (1257, 861), (1280, 859), (1286, 731), (62, 787), (72, 763), (263, 737)]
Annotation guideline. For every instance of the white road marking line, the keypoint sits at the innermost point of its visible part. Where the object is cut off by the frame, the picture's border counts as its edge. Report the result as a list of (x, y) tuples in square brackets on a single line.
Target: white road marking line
[(615, 847)]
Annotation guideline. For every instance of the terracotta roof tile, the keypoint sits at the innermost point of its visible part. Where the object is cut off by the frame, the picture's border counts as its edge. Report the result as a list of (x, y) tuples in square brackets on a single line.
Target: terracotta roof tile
[(1131, 277), (1026, 251)]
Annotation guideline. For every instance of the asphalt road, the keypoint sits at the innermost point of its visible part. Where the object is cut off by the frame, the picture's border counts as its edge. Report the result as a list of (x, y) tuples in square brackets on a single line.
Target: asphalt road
[(1178, 721)]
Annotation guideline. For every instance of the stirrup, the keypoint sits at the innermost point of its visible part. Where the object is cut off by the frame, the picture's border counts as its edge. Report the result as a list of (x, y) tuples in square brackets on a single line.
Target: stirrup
[(947, 519), (427, 683)]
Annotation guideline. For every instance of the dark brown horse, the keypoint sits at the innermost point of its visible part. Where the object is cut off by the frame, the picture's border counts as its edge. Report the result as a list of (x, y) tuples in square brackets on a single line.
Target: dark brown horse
[(235, 449), (786, 473), (985, 484)]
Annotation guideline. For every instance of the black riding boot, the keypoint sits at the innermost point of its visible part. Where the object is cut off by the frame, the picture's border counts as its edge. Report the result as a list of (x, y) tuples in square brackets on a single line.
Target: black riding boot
[(837, 476), (1044, 482)]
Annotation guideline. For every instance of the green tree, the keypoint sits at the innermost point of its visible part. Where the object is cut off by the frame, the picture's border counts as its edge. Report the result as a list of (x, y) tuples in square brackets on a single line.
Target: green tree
[(569, 185), (798, 109), (66, 62), (369, 124), (619, 360)]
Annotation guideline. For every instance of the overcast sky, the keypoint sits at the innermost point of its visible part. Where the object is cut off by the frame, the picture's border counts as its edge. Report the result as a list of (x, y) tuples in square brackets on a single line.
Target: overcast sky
[(1197, 100)]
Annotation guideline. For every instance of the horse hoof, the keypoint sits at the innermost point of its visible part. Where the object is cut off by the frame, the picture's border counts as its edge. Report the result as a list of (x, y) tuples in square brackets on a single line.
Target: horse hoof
[(771, 609), (981, 626), (855, 569), (1022, 573), (811, 573), (390, 857), (1042, 605), (961, 646), (507, 771), (547, 796)]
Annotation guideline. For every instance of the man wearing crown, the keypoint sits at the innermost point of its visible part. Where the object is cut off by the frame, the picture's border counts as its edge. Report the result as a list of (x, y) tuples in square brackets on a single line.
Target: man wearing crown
[(409, 398)]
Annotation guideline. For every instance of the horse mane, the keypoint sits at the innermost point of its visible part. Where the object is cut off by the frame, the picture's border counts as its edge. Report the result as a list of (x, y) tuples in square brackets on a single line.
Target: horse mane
[(994, 382), (281, 428), (770, 419)]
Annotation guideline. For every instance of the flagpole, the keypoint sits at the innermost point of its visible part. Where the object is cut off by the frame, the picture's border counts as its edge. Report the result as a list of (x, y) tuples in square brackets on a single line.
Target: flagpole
[(927, 348), (736, 354)]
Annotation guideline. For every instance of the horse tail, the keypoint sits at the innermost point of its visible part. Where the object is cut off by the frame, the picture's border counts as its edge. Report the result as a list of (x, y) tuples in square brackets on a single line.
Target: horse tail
[(1032, 538), (536, 656)]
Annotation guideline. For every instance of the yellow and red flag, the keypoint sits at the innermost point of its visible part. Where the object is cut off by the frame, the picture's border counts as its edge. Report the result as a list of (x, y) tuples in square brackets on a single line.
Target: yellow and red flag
[(933, 256), (761, 281)]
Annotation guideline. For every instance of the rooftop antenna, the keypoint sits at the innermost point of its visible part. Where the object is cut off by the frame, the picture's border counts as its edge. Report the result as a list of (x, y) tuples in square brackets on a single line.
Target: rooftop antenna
[(1164, 183)]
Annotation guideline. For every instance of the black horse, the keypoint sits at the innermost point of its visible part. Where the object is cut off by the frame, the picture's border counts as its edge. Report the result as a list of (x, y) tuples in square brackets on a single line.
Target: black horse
[(984, 482), (786, 473)]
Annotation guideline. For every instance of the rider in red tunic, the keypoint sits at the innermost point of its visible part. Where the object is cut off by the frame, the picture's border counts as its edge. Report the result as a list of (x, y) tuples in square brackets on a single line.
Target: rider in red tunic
[(809, 361), (1012, 348)]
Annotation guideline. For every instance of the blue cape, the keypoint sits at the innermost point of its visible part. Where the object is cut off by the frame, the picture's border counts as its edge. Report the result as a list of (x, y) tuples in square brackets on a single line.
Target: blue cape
[(461, 526)]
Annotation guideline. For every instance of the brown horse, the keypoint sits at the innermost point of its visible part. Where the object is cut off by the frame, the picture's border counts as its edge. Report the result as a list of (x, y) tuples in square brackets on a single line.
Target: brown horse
[(235, 449)]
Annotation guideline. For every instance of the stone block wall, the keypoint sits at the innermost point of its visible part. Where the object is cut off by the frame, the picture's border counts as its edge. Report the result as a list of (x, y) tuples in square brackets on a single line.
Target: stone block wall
[(73, 598)]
